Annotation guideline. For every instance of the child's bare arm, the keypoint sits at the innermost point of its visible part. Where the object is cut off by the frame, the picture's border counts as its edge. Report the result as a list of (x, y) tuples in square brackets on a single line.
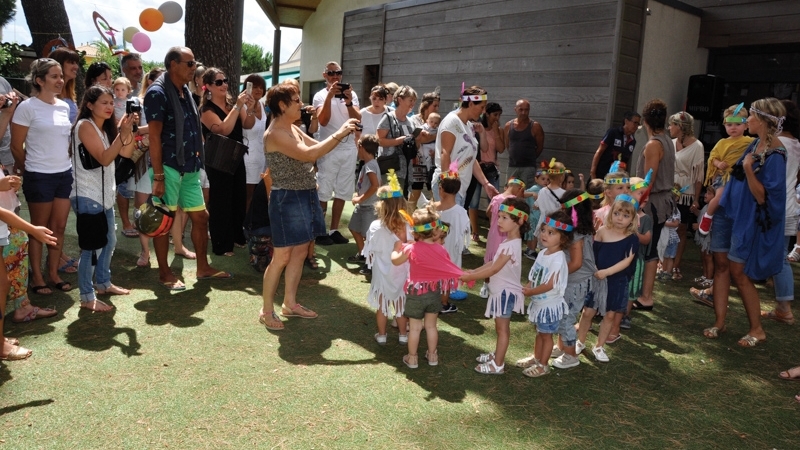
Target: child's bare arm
[(540, 289), (398, 257), (644, 238), (487, 270), (618, 267)]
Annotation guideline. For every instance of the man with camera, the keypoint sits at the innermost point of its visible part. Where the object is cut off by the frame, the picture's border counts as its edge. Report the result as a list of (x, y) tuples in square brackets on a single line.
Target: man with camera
[(176, 154), (335, 104)]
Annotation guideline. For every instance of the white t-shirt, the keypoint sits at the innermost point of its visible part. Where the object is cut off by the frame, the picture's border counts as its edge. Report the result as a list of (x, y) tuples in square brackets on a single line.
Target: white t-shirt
[(338, 116), (460, 230), (548, 204), (549, 306), (370, 122), (47, 142), (507, 279), (89, 183), (792, 147), (464, 150)]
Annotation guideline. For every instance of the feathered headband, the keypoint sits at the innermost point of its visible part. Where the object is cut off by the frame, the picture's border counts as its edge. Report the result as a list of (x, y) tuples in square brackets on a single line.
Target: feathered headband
[(512, 211), (677, 192), (644, 183), (452, 172), (617, 166), (552, 171), (735, 118), (395, 190)]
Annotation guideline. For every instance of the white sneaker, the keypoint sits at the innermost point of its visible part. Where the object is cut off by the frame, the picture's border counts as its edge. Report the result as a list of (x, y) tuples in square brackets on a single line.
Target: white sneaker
[(403, 339), (556, 352), (566, 361), (579, 346), (600, 354), (485, 291), (380, 338)]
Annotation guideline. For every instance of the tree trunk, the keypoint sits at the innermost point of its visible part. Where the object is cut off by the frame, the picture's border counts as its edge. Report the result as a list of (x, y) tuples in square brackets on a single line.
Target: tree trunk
[(214, 33), (47, 20)]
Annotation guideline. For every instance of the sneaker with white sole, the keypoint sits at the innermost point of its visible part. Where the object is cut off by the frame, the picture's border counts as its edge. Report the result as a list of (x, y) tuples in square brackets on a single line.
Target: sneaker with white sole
[(579, 346), (449, 309), (600, 354), (625, 323), (484, 291), (380, 338), (530, 254), (556, 352), (566, 361), (403, 339)]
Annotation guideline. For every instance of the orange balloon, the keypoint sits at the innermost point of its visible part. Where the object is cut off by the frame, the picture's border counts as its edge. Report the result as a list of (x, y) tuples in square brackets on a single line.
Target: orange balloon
[(151, 19)]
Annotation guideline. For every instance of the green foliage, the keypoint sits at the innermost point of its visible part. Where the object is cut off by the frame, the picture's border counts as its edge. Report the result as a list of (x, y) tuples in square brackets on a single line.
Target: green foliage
[(104, 54), (9, 59), (254, 59), (8, 8)]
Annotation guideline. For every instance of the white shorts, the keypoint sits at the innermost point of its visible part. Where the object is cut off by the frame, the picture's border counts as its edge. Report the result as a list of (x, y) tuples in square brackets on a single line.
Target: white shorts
[(255, 163), (144, 185), (204, 179), (336, 176)]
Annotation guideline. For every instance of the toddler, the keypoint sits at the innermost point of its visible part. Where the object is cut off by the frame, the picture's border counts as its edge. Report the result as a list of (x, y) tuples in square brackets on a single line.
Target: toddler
[(365, 198), (672, 239), (549, 197), (514, 188), (457, 237), (531, 195), (615, 183), (122, 89)]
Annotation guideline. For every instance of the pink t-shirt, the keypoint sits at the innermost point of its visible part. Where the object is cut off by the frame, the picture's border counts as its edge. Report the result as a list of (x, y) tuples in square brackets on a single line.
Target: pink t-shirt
[(495, 236)]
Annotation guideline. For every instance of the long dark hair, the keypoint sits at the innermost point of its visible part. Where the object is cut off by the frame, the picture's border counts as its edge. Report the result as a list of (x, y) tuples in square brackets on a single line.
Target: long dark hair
[(583, 212), (92, 94)]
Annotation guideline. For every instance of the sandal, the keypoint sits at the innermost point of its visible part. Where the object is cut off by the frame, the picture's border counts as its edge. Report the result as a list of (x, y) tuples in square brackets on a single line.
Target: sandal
[(794, 255), (36, 313), (17, 353), (787, 374), (432, 358), (40, 290), (713, 332), (271, 321), (311, 263), (702, 296), (476, 237), (69, 266), (298, 310), (12, 341), (528, 361), (411, 361), (63, 286), (676, 274), (130, 232), (779, 316), (536, 370), (485, 357), (750, 341), (490, 368), (143, 261)]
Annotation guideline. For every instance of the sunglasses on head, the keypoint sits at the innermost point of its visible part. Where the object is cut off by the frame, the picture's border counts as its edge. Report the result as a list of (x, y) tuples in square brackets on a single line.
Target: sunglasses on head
[(334, 72), (220, 82)]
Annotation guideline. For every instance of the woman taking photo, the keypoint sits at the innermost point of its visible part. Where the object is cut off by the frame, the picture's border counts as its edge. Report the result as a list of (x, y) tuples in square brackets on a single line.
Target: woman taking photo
[(747, 241), (294, 209), (659, 156), (255, 162), (227, 198), (395, 127), (40, 133), (689, 175), (94, 190)]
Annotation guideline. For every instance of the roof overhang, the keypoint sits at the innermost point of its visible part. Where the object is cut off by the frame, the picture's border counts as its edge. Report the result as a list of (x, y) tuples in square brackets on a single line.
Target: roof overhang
[(288, 13)]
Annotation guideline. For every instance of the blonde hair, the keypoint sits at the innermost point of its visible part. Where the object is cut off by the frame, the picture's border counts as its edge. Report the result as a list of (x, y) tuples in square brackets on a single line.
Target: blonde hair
[(595, 187), (607, 186), (557, 178), (123, 80), (685, 121), (729, 112), (388, 211), (423, 216), (624, 206), (774, 107)]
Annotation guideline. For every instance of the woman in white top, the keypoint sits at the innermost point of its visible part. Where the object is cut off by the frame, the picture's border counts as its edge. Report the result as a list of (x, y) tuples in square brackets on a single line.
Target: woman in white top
[(689, 174), (255, 163), (40, 143), (371, 115), (94, 190)]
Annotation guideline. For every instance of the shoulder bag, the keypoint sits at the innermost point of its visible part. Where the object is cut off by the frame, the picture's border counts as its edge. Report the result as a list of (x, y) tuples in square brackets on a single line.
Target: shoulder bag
[(386, 162), (92, 228)]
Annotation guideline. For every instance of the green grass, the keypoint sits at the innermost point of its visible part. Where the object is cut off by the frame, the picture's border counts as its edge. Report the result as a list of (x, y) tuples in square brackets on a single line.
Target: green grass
[(195, 370)]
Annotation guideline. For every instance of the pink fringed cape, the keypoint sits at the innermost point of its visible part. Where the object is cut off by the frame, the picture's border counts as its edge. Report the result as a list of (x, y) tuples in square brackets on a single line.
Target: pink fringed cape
[(431, 269)]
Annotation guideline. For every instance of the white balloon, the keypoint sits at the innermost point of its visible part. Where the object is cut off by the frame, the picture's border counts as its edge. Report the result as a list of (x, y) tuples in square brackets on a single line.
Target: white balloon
[(172, 12)]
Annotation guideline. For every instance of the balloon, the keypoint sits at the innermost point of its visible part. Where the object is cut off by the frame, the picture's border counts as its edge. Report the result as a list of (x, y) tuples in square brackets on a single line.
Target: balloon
[(172, 12), (141, 42), (128, 33), (151, 19)]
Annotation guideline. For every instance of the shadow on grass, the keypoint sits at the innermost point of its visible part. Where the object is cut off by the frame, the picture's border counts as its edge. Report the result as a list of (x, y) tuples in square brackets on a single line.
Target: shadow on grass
[(176, 309), (33, 404), (96, 331)]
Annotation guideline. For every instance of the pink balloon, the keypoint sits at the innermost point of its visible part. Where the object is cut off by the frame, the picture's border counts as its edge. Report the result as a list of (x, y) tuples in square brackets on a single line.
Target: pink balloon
[(141, 42)]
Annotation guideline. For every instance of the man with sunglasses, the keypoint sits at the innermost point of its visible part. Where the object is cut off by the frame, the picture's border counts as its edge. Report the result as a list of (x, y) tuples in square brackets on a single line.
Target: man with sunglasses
[(336, 170), (176, 155)]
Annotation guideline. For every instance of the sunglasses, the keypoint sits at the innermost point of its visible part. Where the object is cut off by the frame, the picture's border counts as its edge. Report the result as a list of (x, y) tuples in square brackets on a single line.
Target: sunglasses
[(220, 82), (189, 64), (334, 72)]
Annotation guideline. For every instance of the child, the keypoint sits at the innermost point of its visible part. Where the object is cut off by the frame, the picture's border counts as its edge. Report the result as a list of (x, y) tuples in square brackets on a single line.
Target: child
[(596, 191), (425, 159), (548, 201), (542, 180), (704, 295), (547, 283), (580, 282), (639, 192), (458, 233), (503, 273), (672, 240), (569, 182), (514, 188), (122, 89), (615, 246), (722, 158), (364, 200), (615, 183), (430, 273), (386, 286)]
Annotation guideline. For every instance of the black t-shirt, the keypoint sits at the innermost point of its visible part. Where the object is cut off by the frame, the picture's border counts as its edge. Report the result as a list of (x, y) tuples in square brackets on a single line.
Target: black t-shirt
[(616, 144)]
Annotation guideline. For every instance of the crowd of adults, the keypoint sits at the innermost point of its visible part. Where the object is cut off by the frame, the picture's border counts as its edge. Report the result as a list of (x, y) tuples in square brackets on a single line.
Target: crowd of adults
[(312, 154)]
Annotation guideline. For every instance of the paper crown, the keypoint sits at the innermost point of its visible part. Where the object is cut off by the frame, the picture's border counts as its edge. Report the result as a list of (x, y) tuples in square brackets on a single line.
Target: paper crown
[(452, 172), (395, 190), (511, 210), (644, 183), (627, 198), (550, 222), (552, 171), (574, 201)]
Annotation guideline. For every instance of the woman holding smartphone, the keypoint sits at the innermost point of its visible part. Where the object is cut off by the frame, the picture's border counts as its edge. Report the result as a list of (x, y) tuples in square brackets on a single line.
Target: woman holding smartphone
[(255, 162)]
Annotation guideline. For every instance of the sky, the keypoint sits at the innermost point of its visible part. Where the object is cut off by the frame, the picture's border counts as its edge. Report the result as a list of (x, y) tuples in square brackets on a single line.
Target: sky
[(257, 28)]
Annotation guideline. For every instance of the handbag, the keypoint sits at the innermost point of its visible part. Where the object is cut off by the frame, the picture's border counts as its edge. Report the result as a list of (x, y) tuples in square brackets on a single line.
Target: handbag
[(88, 161), (223, 153), (386, 162), (92, 228), (125, 168)]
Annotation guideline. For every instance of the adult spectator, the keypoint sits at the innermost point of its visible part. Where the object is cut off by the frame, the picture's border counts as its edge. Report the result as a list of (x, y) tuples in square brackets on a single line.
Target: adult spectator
[(689, 175), (221, 114), (659, 156), (196, 85), (99, 72), (395, 127), (336, 170), (391, 89), (525, 140), (490, 119), (39, 142), (456, 143), (371, 115), (429, 104), (294, 209), (617, 144), (131, 66), (70, 64), (176, 156), (747, 241), (6, 158), (255, 163)]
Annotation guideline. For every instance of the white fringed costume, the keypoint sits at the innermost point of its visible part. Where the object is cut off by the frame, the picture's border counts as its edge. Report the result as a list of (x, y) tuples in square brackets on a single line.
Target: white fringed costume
[(549, 306), (388, 280), (507, 279)]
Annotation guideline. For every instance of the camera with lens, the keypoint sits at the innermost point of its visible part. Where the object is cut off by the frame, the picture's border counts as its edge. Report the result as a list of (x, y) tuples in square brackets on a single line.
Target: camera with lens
[(133, 106), (343, 87), (359, 126), (305, 116), (7, 103)]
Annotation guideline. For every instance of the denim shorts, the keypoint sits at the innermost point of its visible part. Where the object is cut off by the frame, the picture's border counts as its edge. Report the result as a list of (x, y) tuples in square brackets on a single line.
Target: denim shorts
[(507, 302), (45, 187), (671, 250), (418, 305), (547, 327), (295, 216), (721, 231)]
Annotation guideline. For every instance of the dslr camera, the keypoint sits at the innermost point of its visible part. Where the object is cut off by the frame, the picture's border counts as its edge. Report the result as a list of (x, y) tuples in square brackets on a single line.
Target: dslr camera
[(344, 87), (133, 106), (7, 103), (305, 116)]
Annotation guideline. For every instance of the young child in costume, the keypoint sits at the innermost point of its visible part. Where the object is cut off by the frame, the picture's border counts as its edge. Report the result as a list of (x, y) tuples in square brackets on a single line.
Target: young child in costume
[(639, 192), (364, 199), (549, 197), (548, 282), (580, 282), (503, 272), (615, 183), (704, 294), (514, 188), (430, 273), (722, 158), (672, 239), (459, 229), (542, 180), (388, 280), (615, 246)]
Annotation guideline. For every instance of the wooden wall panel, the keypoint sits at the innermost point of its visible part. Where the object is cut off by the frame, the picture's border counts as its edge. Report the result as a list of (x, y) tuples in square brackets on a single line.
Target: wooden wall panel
[(752, 22)]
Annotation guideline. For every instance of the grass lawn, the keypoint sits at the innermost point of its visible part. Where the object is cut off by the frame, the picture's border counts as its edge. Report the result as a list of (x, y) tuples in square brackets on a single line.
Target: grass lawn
[(194, 369)]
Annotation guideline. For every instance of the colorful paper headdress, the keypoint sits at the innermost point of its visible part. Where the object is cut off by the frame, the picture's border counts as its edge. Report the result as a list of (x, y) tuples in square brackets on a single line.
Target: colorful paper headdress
[(452, 172), (516, 181), (629, 199), (428, 226), (735, 118), (610, 180), (574, 201), (550, 222), (552, 171), (510, 210), (395, 190), (617, 166), (644, 183), (474, 98), (677, 192)]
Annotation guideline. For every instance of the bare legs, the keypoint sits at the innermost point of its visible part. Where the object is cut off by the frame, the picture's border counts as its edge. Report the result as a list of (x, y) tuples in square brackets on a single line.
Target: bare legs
[(52, 215)]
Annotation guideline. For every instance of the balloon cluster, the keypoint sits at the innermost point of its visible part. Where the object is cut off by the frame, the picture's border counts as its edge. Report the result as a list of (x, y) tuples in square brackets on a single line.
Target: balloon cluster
[(151, 19)]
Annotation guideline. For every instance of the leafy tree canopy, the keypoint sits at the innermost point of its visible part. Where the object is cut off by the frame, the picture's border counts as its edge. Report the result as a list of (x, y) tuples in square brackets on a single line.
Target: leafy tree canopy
[(254, 59)]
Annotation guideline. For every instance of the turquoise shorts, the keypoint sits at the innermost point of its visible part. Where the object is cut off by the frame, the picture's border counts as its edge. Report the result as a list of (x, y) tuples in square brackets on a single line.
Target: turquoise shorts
[(182, 189)]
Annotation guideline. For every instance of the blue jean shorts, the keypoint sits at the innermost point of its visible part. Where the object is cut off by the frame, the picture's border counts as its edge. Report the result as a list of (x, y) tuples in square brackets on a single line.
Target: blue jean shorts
[(295, 216), (671, 250), (721, 231), (507, 302), (548, 327), (45, 187)]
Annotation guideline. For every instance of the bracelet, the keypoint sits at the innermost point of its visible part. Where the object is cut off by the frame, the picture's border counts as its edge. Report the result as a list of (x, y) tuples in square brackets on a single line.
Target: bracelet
[(158, 177), (348, 104), (237, 107), (125, 144), (335, 138)]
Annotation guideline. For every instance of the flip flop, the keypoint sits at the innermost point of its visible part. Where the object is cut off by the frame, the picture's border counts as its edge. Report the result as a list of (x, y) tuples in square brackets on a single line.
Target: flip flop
[(221, 275), (300, 311), (750, 341), (63, 286), (173, 285), (69, 266), (17, 354), (12, 341), (262, 318), (130, 232), (38, 289), (36, 313), (788, 376), (638, 306)]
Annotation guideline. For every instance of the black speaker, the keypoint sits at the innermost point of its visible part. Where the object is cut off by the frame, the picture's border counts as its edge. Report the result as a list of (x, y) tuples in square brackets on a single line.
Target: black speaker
[(705, 97)]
